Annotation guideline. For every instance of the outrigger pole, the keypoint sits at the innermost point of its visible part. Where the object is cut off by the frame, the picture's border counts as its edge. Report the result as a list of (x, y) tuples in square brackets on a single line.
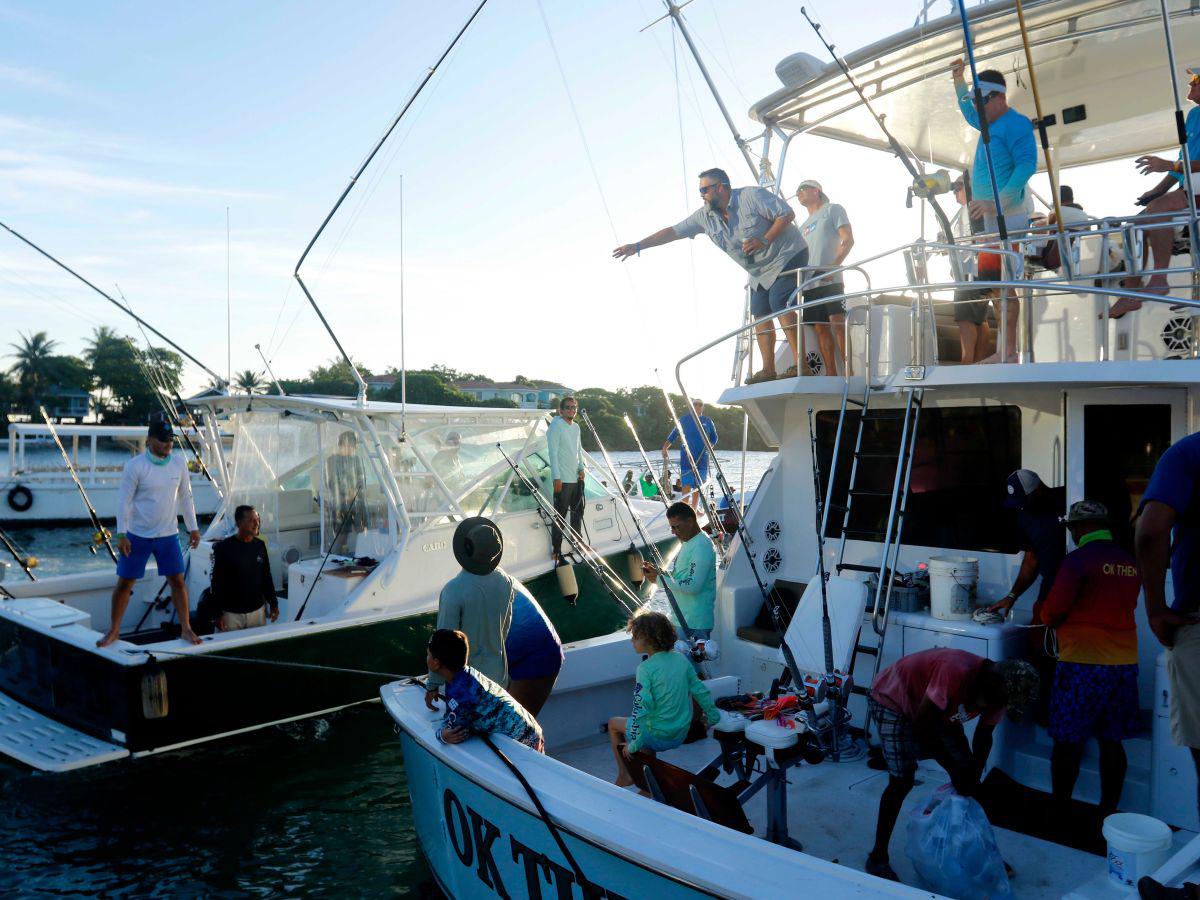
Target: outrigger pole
[(362, 385), (216, 378), (904, 155), (101, 534), (609, 579), (659, 562)]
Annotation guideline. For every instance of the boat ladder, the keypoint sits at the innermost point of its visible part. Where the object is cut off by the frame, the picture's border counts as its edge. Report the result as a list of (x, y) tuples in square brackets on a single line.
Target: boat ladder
[(873, 442)]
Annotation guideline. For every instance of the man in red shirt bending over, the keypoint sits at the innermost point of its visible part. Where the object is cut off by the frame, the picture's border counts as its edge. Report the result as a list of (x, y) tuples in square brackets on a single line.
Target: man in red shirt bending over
[(1095, 690), (920, 704)]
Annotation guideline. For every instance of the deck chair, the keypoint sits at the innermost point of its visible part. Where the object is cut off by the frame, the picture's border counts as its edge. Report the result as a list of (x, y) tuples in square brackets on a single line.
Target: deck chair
[(688, 792)]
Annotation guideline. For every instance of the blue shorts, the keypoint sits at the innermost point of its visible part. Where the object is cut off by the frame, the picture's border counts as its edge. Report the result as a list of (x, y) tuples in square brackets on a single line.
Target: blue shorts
[(782, 293), (1094, 701), (167, 556), (652, 743), (689, 479)]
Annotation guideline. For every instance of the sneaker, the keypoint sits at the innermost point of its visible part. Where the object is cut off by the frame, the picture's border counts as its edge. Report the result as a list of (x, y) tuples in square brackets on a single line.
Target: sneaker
[(881, 868), (1149, 889)]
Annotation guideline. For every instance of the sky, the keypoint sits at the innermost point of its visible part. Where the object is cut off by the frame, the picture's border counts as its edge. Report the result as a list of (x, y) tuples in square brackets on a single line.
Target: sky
[(128, 130)]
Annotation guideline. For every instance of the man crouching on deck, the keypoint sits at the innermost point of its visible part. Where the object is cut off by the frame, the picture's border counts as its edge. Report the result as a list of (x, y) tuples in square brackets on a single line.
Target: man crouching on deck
[(919, 704), (155, 489)]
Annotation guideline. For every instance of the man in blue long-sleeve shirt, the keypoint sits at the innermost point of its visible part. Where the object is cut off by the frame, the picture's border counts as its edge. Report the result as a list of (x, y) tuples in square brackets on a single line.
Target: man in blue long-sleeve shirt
[(1014, 160)]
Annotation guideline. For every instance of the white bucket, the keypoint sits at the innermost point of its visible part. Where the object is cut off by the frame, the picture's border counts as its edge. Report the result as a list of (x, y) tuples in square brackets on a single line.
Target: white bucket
[(952, 581), (1137, 846)]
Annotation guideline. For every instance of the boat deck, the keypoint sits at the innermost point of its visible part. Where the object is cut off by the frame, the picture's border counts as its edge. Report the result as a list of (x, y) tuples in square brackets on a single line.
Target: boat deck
[(832, 809)]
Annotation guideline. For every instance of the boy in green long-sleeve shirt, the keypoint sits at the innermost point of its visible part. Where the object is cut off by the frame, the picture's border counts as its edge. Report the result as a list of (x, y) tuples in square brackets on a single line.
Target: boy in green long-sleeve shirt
[(663, 691)]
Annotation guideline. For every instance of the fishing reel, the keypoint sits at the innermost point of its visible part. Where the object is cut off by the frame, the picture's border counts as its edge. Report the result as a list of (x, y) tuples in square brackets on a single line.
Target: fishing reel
[(927, 186), (193, 466), (101, 536), (30, 562)]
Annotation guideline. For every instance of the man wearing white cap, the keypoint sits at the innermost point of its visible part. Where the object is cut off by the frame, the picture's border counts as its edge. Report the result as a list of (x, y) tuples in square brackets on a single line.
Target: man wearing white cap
[(1165, 197), (830, 238), (1013, 152)]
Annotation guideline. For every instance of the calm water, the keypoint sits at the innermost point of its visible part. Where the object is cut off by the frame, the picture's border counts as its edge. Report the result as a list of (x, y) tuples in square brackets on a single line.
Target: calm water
[(317, 807)]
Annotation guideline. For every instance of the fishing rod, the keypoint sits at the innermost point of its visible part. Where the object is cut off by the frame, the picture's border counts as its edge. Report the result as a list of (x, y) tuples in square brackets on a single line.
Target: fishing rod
[(770, 600), (905, 156), (333, 543), (819, 506), (661, 488), (216, 378), (609, 579), (659, 562), (27, 563), (709, 508), (101, 535), (362, 385)]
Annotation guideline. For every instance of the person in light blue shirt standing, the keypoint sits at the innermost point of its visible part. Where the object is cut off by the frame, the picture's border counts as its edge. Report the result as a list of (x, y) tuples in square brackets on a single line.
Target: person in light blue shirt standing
[(693, 575), (1014, 160), (693, 479), (756, 229), (565, 447)]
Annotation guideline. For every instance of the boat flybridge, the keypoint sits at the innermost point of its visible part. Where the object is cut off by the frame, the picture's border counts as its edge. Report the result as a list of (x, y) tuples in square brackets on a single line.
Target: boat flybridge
[(38, 488), (358, 590), (912, 450)]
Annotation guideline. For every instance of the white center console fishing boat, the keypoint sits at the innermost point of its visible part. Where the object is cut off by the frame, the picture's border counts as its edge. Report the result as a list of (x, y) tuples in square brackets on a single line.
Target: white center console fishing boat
[(358, 503), (911, 450)]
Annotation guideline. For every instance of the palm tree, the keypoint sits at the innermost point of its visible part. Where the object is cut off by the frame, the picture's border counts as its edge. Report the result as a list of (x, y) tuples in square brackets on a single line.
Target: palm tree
[(249, 381), (33, 354)]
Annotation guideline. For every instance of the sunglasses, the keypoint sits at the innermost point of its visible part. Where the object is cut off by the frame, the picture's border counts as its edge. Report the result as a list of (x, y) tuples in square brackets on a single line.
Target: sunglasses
[(565, 408), (704, 189)]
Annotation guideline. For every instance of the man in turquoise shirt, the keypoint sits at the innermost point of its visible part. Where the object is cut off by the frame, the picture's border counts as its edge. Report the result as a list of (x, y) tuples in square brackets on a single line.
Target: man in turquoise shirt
[(693, 575), (1014, 160), (565, 449)]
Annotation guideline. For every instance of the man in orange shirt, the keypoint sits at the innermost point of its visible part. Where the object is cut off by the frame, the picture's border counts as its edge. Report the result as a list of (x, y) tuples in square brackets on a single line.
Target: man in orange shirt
[(1095, 690)]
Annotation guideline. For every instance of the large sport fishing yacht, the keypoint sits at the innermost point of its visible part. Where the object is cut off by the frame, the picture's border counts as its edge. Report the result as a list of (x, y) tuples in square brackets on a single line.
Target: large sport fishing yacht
[(38, 488), (359, 578), (912, 450)]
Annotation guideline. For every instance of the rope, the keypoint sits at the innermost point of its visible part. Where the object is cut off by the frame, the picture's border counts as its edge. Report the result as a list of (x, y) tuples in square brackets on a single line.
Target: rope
[(541, 810), (279, 663)]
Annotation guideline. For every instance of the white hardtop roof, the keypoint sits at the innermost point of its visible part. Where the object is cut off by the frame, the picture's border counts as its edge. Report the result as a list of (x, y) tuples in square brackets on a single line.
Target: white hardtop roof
[(1104, 59), (237, 403)]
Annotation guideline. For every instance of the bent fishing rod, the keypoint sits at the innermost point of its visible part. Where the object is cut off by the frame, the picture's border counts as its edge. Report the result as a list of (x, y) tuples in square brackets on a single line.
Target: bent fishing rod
[(101, 534), (609, 579), (905, 156), (22, 561), (659, 486), (659, 562), (774, 607), (709, 508), (216, 378), (362, 385)]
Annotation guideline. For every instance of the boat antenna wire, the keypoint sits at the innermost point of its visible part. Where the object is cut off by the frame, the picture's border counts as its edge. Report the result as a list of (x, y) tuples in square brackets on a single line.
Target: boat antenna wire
[(217, 379), (659, 562), (101, 534), (282, 392), (904, 155), (1185, 156), (674, 11), (608, 579), (22, 561), (770, 599), (362, 385), (403, 364), (819, 507), (1041, 122), (333, 543), (542, 814), (659, 486)]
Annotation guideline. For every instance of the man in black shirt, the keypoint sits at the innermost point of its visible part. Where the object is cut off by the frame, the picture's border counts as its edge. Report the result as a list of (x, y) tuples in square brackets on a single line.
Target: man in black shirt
[(241, 577)]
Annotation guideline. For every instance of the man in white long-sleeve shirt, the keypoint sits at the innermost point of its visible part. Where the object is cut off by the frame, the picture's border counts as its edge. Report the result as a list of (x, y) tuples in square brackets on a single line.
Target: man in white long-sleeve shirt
[(565, 450), (155, 490)]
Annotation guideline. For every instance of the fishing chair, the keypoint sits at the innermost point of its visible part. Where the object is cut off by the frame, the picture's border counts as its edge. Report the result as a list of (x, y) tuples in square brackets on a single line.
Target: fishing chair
[(688, 792)]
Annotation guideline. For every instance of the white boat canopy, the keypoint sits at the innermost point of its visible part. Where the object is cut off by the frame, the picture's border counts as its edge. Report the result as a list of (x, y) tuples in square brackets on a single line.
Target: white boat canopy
[(1100, 67)]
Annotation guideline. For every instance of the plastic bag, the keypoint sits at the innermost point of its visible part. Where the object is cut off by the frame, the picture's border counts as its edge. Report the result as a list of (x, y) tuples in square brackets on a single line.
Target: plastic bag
[(953, 848)]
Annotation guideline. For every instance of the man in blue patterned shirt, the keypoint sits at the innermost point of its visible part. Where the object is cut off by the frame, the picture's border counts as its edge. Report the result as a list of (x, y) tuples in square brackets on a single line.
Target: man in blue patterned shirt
[(474, 703)]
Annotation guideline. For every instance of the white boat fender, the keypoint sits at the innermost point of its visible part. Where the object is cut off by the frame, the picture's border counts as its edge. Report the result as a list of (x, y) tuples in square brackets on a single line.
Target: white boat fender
[(636, 575), (154, 690), (568, 585)]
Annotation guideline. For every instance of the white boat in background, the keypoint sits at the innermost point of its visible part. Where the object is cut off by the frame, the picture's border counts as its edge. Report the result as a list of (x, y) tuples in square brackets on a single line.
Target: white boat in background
[(38, 490), (912, 450)]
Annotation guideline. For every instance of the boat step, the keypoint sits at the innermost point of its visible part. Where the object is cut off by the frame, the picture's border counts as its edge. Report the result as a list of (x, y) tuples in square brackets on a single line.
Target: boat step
[(869, 649), (42, 743)]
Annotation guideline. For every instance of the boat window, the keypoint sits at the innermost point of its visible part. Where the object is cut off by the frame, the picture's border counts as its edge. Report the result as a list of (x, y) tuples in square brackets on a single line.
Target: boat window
[(353, 502), (963, 456), (1121, 446)]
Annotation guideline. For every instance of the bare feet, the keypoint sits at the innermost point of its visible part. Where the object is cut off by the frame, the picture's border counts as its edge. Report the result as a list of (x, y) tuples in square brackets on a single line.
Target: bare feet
[(188, 635), (995, 358), (1122, 306), (764, 375), (109, 638), (623, 781)]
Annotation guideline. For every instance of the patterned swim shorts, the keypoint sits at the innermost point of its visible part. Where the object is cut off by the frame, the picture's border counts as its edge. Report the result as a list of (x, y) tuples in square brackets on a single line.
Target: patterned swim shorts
[(900, 750), (1094, 701)]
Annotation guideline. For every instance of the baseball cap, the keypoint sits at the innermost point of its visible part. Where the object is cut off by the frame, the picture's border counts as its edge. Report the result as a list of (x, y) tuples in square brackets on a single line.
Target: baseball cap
[(810, 183), (1019, 486), (160, 430), (1020, 684), (1084, 511)]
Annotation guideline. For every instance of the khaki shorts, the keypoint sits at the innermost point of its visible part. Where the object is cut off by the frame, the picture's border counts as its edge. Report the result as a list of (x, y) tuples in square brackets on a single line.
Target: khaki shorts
[(238, 621), (1183, 668)]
